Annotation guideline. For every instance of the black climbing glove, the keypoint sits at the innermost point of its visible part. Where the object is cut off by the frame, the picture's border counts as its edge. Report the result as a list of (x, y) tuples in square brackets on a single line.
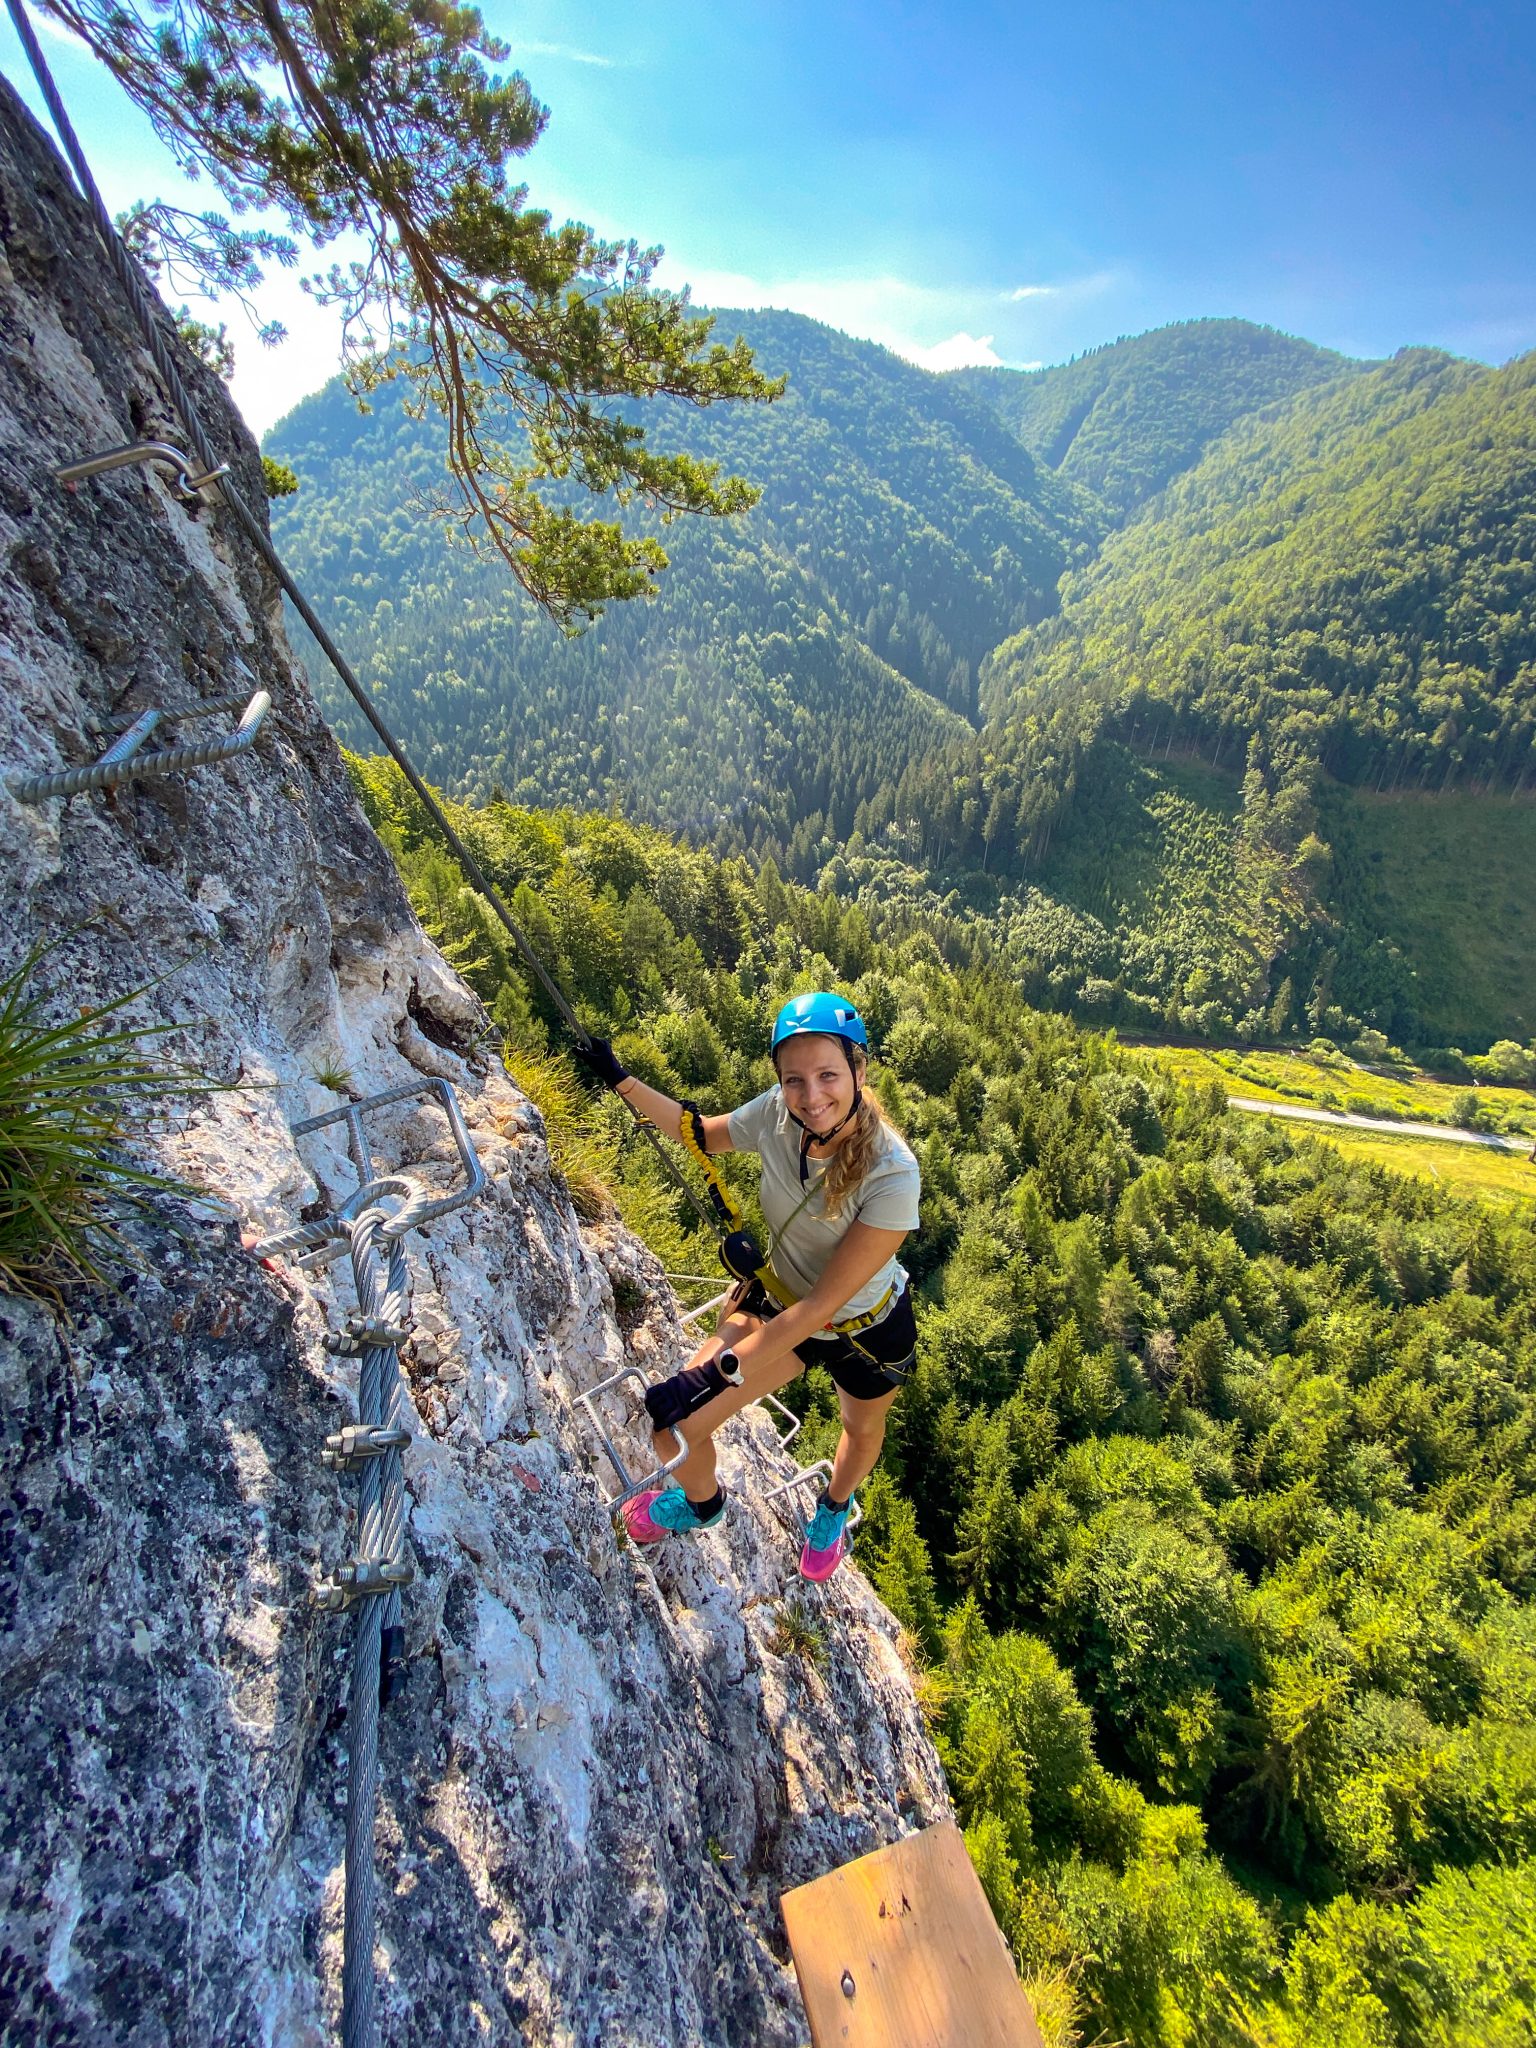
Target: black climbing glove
[(671, 1400), (601, 1063)]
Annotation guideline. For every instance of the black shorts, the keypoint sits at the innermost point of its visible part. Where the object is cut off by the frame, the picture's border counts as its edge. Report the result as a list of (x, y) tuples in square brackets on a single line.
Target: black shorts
[(873, 1362)]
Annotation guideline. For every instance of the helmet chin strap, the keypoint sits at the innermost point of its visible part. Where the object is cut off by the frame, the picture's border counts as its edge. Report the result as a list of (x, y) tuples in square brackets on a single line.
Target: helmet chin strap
[(811, 1137)]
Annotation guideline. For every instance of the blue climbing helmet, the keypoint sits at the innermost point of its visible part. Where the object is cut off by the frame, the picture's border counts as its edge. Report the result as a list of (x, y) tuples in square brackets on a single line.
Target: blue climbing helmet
[(826, 1012), (833, 1016)]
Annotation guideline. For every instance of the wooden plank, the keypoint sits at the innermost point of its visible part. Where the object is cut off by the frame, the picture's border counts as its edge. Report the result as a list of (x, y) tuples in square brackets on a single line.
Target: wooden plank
[(900, 1947)]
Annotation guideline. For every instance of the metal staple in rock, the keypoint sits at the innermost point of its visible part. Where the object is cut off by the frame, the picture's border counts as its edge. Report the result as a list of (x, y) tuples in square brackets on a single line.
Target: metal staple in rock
[(122, 762)]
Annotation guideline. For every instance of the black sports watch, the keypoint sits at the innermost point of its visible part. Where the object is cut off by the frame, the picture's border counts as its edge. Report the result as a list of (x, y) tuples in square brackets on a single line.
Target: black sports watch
[(729, 1366)]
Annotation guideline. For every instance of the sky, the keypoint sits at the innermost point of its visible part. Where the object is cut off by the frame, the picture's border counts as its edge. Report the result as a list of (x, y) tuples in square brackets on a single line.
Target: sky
[(1010, 183)]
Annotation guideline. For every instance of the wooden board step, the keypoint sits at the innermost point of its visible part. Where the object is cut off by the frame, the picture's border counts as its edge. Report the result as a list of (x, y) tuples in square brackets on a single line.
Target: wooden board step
[(900, 1947)]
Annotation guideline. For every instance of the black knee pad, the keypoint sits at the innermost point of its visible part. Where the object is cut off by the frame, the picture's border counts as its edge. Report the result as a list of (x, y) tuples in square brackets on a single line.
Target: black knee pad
[(687, 1391)]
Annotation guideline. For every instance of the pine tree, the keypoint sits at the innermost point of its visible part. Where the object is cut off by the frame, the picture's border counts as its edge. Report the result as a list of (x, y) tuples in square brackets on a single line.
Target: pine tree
[(379, 119)]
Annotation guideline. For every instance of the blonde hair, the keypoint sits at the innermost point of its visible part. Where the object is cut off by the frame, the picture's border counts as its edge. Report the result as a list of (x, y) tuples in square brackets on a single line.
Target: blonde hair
[(856, 1154)]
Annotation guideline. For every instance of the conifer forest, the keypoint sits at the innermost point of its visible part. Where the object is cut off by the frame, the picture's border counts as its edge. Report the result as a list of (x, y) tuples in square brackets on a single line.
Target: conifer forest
[(1210, 1511)]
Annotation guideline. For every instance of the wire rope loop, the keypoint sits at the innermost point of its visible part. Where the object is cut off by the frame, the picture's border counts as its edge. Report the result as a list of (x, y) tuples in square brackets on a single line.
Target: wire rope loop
[(363, 1204), (379, 1264), (335, 1229), (411, 1212)]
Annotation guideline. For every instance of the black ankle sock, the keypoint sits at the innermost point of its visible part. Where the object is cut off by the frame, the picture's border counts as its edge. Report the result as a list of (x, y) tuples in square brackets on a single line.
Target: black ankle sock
[(837, 1506), (707, 1509)]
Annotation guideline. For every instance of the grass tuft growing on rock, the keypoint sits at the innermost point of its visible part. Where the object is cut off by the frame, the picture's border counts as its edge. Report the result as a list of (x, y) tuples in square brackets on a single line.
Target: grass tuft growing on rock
[(798, 1633), (68, 1092)]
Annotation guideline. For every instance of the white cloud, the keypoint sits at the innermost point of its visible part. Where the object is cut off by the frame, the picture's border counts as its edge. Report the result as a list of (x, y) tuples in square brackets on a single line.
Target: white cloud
[(930, 325), (893, 311), (961, 352), (568, 51)]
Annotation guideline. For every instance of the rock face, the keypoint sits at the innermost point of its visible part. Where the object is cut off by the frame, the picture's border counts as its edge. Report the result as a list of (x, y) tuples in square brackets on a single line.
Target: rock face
[(602, 1771)]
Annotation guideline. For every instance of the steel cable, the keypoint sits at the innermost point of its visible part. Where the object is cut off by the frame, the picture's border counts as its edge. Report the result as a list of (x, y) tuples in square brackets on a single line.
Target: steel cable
[(380, 1540), (372, 1583)]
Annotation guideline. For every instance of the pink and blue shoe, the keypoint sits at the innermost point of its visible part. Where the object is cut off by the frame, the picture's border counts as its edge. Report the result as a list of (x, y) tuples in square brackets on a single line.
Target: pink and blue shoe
[(650, 1516), (827, 1542)]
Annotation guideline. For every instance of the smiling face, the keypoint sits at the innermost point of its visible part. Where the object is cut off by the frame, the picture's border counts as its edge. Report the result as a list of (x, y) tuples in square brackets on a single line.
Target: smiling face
[(817, 1081)]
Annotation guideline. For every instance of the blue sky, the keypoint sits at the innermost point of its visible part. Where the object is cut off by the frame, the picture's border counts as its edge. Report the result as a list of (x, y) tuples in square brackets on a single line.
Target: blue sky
[(1012, 183)]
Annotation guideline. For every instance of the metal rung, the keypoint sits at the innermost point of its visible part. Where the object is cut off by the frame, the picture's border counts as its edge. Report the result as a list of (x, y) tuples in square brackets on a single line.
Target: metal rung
[(351, 1115), (628, 1486), (144, 452), (787, 1436), (122, 762), (704, 1308), (807, 1476)]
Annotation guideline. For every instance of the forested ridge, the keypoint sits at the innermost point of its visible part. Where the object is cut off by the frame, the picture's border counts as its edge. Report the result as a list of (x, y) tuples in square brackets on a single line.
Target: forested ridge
[(792, 663), (1125, 419), (1211, 1508), (1111, 658), (1351, 580)]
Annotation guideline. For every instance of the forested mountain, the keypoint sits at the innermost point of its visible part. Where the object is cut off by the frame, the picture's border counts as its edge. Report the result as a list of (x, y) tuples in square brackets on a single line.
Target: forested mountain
[(1353, 577), (1341, 592), (793, 662), (1127, 418), (1170, 753), (1211, 1506)]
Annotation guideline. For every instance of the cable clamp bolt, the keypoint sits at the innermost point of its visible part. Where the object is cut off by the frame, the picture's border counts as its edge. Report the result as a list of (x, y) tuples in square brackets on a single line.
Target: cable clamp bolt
[(362, 1580), (358, 1442), (365, 1333)]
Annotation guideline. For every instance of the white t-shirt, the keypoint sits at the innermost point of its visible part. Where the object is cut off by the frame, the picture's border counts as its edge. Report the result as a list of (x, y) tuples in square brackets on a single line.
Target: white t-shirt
[(886, 1198)]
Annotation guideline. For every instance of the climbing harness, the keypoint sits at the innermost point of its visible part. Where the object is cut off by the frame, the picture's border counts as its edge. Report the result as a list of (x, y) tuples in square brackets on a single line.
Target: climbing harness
[(122, 762), (739, 1251), (372, 1449)]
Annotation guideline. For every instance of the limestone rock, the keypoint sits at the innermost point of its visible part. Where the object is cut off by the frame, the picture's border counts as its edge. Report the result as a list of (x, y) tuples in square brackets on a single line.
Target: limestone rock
[(600, 1774)]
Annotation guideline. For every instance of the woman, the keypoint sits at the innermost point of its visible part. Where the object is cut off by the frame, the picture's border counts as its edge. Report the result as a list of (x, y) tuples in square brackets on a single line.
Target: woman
[(839, 1193)]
